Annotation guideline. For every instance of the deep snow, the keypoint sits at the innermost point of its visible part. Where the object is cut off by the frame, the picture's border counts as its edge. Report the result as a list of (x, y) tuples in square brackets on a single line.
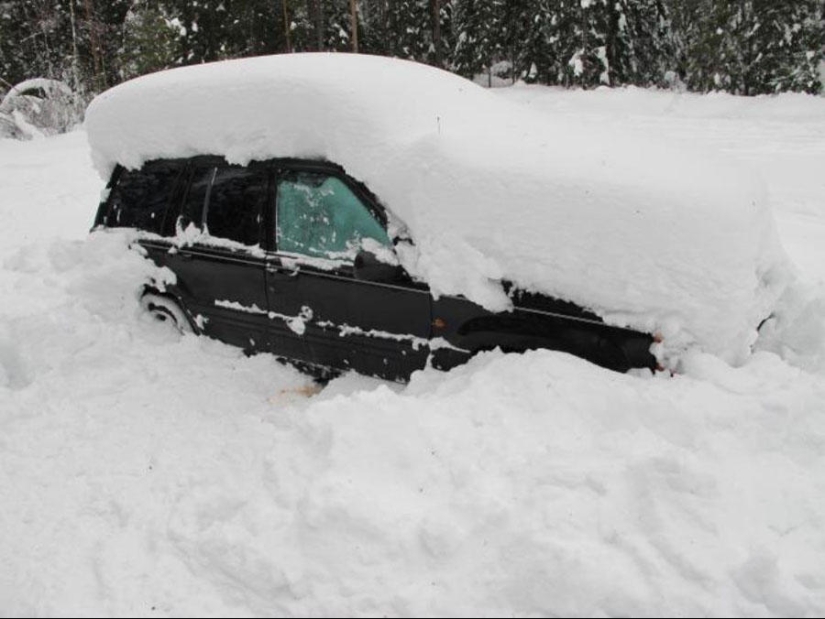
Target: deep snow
[(644, 233), (143, 473)]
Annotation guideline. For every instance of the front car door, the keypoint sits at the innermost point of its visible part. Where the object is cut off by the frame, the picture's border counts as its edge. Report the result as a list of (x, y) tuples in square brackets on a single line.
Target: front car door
[(321, 313)]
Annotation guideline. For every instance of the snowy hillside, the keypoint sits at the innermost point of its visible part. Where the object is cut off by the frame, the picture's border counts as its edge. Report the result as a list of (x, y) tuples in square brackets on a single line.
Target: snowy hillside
[(144, 473)]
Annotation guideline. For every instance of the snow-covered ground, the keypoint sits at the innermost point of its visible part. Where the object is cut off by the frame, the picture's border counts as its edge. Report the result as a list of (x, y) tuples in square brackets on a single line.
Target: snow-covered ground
[(144, 473)]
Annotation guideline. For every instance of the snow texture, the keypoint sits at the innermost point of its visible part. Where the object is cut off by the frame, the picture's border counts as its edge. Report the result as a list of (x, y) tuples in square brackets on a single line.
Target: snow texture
[(645, 233), (147, 473)]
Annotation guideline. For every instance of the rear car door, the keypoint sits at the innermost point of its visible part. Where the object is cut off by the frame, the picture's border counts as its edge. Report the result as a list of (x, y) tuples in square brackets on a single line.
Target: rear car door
[(323, 314), (217, 257)]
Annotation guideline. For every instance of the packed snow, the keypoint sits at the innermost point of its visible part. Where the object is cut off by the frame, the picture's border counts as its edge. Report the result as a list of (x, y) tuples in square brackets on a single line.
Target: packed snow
[(644, 232), (147, 473)]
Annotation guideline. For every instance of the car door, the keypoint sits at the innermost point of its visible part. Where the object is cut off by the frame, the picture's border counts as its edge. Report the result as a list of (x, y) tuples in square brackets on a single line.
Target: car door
[(217, 256), (323, 314)]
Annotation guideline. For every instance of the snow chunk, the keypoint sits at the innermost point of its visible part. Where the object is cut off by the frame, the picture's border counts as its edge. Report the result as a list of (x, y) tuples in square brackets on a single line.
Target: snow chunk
[(643, 233)]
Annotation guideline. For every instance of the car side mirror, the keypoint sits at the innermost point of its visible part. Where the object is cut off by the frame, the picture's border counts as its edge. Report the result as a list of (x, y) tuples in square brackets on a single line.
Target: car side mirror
[(368, 267)]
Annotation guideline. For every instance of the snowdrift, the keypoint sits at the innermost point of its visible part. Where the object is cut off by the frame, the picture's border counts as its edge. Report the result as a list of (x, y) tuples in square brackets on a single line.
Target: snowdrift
[(643, 233)]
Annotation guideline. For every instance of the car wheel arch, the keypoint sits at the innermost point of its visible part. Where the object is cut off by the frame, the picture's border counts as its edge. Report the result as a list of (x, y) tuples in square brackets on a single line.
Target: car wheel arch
[(166, 306)]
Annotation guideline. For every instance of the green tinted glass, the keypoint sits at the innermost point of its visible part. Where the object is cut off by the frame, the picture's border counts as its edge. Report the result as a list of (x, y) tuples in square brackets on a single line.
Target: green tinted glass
[(320, 216)]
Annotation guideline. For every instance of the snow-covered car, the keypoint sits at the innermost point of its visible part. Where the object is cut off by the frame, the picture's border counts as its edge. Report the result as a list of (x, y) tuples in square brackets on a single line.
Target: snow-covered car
[(363, 213), (294, 257)]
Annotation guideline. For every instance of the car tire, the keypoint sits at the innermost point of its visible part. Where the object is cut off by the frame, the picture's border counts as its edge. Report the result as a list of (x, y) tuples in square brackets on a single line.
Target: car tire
[(166, 310)]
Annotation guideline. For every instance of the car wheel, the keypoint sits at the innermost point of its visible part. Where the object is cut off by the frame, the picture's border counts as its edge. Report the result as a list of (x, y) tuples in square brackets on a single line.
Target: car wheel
[(165, 310)]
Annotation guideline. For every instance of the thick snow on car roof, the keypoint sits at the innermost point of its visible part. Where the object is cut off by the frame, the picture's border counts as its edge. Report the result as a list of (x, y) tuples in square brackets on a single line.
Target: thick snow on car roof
[(644, 234)]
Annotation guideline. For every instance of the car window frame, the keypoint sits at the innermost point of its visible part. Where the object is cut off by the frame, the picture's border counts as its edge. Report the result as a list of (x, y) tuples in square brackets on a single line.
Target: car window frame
[(282, 168)]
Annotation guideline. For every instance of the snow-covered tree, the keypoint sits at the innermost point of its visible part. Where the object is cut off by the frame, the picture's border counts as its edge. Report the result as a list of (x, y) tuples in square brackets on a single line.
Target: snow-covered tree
[(408, 23), (743, 46), (637, 43), (149, 40), (478, 26), (749, 46), (788, 42)]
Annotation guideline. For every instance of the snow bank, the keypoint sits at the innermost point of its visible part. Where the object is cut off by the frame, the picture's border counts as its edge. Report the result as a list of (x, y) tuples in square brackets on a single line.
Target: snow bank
[(797, 332), (645, 234)]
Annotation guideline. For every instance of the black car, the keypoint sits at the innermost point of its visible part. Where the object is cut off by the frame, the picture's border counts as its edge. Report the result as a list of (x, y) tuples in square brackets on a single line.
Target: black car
[(293, 257)]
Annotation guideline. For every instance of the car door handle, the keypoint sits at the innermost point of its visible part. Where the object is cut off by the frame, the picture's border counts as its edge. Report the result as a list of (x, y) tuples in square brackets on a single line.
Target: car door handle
[(276, 270)]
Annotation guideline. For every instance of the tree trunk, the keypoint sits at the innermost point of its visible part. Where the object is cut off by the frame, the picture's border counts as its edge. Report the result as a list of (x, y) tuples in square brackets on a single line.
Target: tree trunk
[(75, 56), (437, 32), (315, 15), (319, 24), (287, 29), (353, 8), (94, 40)]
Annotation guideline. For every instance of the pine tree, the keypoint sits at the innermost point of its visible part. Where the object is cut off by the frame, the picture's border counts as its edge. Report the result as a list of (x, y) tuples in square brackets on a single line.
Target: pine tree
[(149, 41), (374, 20), (338, 26), (743, 46), (478, 28), (546, 40), (589, 64), (15, 36), (749, 46), (300, 24), (513, 32), (441, 18), (409, 29), (36, 40), (789, 40), (637, 42)]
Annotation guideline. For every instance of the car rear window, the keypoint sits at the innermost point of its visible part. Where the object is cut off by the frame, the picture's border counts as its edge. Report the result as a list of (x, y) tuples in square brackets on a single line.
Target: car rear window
[(140, 197)]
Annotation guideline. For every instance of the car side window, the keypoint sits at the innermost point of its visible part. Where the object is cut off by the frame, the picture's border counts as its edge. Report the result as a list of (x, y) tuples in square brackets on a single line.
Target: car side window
[(235, 203), (320, 216), (140, 197), (226, 202)]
